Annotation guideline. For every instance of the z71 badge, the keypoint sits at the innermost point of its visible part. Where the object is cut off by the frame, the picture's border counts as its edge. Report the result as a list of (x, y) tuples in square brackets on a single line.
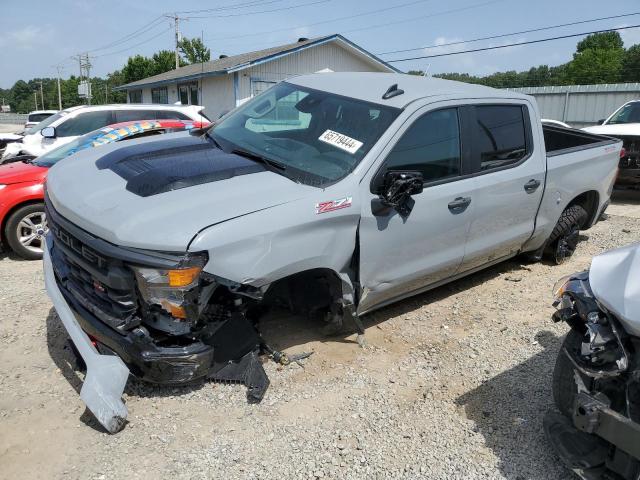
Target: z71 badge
[(332, 205)]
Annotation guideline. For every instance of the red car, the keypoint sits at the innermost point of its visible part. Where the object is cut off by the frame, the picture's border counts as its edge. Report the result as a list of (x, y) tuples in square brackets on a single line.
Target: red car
[(22, 219)]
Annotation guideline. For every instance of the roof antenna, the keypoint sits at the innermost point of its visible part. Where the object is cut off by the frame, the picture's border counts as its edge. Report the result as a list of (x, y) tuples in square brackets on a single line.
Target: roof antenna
[(392, 91)]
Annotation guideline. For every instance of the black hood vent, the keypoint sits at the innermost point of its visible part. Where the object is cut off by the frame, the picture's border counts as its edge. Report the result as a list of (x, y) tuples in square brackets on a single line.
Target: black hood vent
[(165, 165)]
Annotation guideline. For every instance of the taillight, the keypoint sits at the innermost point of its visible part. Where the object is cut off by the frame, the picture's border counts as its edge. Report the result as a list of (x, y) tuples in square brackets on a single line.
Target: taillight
[(623, 152)]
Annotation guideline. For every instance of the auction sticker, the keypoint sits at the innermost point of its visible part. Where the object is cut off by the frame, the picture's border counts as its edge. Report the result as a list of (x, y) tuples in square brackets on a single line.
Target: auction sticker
[(341, 141)]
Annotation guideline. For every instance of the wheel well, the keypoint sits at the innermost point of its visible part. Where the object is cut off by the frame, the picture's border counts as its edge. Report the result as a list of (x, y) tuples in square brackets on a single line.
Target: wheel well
[(10, 212), (309, 291), (589, 201)]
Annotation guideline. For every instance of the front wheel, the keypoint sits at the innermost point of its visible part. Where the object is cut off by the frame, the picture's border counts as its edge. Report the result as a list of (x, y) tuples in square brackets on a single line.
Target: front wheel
[(564, 238), (25, 231)]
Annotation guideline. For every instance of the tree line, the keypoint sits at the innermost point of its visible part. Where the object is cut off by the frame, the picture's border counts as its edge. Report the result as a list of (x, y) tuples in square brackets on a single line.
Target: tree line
[(26, 96), (599, 58)]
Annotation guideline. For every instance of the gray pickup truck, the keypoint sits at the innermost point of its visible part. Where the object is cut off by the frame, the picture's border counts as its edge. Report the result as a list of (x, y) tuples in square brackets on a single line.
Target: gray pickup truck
[(330, 194)]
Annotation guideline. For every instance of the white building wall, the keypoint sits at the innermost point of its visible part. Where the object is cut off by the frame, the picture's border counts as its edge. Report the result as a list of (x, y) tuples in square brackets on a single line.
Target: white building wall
[(330, 56), (217, 95)]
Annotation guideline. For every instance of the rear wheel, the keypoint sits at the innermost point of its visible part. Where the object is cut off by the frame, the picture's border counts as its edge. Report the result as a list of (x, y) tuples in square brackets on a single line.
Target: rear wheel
[(564, 238), (25, 231)]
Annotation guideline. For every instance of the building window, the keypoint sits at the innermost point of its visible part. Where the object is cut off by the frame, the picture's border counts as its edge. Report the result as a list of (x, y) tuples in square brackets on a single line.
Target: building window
[(135, 96), (160, 95), (188, 93)]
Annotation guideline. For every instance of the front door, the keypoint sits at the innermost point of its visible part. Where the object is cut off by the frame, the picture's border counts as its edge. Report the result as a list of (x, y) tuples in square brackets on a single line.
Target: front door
[(403, 253)]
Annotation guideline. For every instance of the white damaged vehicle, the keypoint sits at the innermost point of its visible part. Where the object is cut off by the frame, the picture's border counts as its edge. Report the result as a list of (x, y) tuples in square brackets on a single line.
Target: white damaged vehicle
[(329, 194)]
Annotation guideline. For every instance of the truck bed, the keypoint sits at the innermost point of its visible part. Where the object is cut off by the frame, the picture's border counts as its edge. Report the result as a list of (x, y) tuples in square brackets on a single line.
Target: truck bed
[(559, 140)]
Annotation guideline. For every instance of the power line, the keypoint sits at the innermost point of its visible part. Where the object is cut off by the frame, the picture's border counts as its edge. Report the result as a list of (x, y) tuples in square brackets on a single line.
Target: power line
[(136, 33), (512, 44), (133, 46), (237, 6), (349, 17), (370, 12), (493, 37), (244, 14)]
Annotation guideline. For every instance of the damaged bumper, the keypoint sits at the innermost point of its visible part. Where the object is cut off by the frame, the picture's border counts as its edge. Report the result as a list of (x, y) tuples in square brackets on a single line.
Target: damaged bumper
[(106, 374)]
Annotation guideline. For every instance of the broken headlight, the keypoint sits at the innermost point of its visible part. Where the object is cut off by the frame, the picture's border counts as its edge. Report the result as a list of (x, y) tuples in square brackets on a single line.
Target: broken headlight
[(168, 287)]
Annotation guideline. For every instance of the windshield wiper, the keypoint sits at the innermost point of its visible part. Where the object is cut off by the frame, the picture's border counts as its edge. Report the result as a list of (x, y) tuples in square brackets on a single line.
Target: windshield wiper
[(259, 158)]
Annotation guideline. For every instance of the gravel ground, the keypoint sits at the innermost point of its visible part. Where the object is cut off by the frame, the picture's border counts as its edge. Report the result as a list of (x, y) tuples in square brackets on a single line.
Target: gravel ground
[(453, 384)]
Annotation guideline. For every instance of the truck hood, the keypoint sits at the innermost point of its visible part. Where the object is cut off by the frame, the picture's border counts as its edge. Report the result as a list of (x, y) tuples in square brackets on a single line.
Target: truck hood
[(625, 129), (20, 172), (158, 194)]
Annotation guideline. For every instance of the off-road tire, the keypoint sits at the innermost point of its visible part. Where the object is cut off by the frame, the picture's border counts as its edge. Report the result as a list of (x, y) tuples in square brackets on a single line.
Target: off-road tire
[(11, 233), (564, 237), (564, 383)]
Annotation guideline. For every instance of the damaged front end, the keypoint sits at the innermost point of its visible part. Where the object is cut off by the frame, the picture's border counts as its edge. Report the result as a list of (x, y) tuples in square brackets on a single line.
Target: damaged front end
[(596, 387), (156, 315)]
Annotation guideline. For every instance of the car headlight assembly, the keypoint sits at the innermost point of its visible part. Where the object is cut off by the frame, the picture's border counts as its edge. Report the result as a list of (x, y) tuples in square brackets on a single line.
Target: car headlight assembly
[(169, 288)]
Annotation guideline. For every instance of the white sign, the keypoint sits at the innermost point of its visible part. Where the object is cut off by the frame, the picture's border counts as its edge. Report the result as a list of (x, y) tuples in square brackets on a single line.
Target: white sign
[(341, 141)]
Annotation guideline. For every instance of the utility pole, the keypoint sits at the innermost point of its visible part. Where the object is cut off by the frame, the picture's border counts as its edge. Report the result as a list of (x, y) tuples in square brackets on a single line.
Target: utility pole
[(35, 97), (41, 94), (106, 94), (84, 89), (176, 23), (59, 70)]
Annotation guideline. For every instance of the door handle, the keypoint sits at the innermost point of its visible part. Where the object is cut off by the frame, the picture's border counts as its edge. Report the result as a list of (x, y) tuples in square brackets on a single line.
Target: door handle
[(459, 205), (532, 185)]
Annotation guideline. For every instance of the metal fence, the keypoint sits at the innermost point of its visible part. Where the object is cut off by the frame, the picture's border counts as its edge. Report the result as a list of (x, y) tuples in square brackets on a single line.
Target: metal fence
[(581, 105), (13, 118)]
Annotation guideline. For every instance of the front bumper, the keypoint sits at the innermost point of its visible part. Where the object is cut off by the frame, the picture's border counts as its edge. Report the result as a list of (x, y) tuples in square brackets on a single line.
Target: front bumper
[(106, 374)]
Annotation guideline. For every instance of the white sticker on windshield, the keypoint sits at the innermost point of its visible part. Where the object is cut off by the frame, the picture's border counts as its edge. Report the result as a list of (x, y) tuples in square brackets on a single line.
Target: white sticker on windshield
[(341, 141)]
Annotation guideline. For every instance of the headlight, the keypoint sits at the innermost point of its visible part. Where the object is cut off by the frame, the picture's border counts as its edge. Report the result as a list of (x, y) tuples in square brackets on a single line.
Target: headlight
[(560, 287), (167, 287), (2, 186)]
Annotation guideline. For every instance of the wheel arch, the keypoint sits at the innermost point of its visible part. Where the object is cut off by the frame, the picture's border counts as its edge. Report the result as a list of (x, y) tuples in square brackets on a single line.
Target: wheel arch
[(11, 211), (590, 201)]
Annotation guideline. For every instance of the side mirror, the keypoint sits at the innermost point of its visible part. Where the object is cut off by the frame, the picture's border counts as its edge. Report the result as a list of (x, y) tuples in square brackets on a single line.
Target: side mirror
[(48, 132), (398, 187), (601, 121)]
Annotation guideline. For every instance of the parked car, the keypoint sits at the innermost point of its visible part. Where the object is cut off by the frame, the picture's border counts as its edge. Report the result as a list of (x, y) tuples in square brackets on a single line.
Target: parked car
[(624, 124), (555, 123), (68, 124), (596, 381), (330, 194), (22, 218), (35, 117)]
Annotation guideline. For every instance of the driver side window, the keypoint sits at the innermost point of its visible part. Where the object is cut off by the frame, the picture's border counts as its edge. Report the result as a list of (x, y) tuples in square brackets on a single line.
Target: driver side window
[(84, 123), (430, 146)]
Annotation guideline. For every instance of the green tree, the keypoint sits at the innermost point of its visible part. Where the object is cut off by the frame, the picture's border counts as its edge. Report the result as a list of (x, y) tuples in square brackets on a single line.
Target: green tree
[(163, 61), (137, 68), (194, 50), (595, 66), (630, 71), (604, 41)]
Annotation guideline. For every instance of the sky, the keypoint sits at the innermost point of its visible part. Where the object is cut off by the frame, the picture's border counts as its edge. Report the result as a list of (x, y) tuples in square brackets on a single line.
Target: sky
[(34, 40)]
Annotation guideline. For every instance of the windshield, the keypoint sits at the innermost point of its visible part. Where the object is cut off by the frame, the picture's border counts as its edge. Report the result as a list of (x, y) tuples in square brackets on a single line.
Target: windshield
[(630, 113), (45, 123), (318, 137)]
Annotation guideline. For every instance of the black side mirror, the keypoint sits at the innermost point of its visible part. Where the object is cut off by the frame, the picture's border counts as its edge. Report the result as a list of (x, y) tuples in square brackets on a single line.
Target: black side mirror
[(601, 121), (397, 189)]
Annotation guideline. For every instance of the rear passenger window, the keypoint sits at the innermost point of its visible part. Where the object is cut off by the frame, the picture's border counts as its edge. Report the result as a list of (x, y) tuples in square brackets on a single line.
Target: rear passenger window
[(431, 146), (500, 137), (84, 123)]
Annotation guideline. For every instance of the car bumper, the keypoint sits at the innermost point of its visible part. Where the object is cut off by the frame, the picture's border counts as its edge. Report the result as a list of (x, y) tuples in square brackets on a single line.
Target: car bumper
[(106, 374), (628, 176)]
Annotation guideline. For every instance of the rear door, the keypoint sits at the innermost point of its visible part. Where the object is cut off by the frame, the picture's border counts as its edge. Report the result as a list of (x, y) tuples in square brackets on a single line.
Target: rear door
[(401, 254), (509, 171)]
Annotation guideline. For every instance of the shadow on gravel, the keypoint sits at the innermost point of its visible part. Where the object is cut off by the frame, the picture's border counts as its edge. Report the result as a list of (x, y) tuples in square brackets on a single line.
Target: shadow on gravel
[(508, 411), (283, 330)]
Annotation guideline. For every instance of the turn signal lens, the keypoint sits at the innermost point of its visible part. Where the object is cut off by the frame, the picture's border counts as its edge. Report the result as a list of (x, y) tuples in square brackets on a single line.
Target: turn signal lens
[(183, 277)]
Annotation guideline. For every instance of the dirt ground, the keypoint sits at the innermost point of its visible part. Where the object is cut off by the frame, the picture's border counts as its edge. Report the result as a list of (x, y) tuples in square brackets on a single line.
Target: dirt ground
[(453, 384)]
